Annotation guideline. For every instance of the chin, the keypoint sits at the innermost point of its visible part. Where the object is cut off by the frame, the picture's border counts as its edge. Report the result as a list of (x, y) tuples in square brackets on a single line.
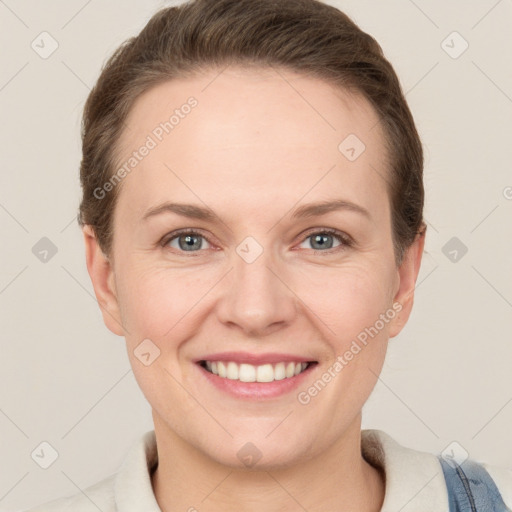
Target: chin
[(253, 461), (242, 453)]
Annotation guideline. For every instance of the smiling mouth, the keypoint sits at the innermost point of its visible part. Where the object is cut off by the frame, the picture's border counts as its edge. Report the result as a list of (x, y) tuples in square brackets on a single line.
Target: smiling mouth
[(244, 372)]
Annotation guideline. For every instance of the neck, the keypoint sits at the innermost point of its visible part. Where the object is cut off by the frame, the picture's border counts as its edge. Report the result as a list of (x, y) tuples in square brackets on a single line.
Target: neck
[(337, 479)]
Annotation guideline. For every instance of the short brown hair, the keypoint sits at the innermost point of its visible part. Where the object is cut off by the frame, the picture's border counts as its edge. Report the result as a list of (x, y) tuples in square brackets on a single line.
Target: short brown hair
[(305, 36)]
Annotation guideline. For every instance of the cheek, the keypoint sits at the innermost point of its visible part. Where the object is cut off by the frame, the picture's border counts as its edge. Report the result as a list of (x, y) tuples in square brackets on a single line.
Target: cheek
[(159, 303), (346, 299)]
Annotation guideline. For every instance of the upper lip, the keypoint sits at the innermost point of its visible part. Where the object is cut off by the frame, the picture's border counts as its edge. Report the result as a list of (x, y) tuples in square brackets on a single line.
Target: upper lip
[(255, 359)]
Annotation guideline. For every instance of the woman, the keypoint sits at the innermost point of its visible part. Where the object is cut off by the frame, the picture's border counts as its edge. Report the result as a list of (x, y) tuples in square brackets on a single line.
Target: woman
[(253, 221)]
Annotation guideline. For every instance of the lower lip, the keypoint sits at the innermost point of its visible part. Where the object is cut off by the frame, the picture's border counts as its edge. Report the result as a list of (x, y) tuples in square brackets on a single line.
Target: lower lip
[(257, 390)]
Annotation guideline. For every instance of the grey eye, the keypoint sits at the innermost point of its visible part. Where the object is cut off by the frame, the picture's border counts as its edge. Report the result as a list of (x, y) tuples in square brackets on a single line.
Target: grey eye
[(187, 242)]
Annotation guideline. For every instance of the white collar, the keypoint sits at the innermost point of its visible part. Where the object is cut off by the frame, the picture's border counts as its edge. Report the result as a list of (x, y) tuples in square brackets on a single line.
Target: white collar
[(414, 479), (133, 490)]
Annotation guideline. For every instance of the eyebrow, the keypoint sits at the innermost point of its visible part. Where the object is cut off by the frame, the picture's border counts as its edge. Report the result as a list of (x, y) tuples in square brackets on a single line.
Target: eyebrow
[(305, 211), (321, 208)]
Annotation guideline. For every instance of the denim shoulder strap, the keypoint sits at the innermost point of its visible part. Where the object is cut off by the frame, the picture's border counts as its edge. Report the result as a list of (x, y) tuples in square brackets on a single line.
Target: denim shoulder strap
[(471, 488)]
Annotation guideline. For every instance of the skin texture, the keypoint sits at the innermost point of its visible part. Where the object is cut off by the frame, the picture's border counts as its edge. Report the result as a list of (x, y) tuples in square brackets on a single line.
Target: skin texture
[(259, 144)]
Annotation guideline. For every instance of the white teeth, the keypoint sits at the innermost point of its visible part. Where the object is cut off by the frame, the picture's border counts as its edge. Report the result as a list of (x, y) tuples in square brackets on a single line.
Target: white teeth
[(247, 373), (265, 373), (232, 371), (250, 373), (222, 369), (279, 371)]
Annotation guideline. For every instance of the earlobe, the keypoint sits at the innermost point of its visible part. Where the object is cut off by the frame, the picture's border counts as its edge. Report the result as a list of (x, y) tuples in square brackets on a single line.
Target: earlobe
[(407, 275), (102, 277)]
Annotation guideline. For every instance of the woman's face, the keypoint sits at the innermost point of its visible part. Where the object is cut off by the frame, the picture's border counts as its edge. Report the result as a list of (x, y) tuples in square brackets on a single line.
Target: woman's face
[(259, 276)]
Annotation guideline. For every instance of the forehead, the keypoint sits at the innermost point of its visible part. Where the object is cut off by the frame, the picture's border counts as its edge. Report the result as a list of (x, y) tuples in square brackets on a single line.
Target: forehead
[(252, 129)]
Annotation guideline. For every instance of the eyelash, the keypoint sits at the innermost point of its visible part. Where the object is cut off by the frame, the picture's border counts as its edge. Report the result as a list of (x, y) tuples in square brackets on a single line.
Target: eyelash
[(346, 241)]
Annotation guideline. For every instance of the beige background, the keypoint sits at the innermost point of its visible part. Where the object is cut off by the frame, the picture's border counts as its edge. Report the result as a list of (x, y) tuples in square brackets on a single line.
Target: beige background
[(66, 379)]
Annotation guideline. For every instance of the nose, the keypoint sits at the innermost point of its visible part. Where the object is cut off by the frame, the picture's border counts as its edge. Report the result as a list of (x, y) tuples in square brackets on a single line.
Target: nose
[(256, 297)]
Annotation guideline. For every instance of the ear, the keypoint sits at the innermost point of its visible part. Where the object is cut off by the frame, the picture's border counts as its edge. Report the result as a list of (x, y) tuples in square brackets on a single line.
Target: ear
[(102, 277), (407, 275)]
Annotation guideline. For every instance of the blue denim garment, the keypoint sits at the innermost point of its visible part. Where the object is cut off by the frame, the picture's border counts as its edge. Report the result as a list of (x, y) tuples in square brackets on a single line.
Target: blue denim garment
[(471, 488)]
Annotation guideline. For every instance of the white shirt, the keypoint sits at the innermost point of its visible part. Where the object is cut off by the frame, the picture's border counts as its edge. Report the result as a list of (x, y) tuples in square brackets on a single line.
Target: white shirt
[(414, 480)]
